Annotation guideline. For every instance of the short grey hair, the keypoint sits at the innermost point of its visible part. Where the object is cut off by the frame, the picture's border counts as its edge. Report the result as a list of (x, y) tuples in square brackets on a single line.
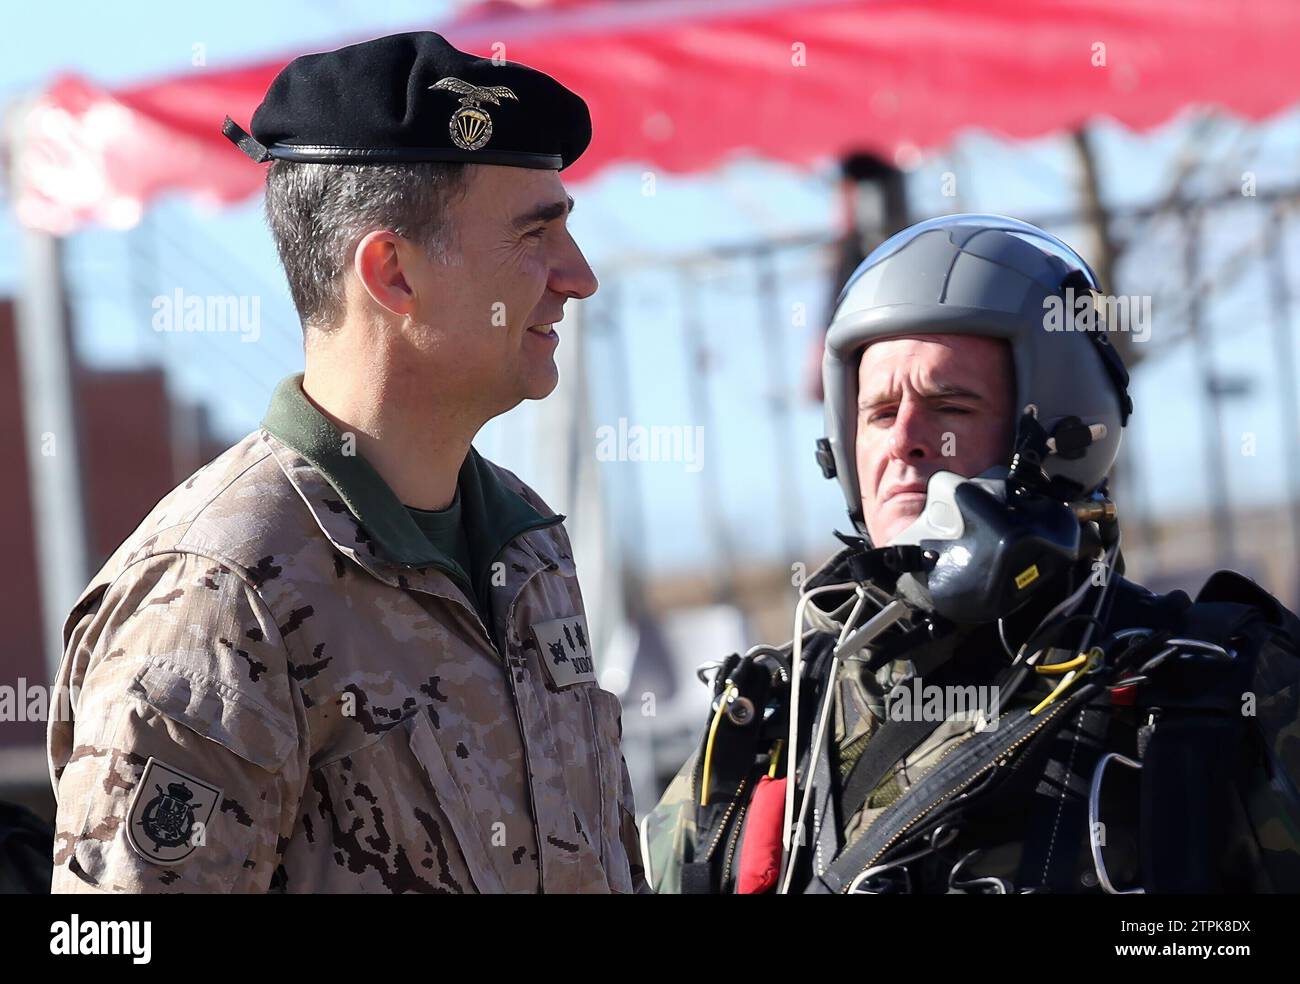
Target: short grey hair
[(319, 212)]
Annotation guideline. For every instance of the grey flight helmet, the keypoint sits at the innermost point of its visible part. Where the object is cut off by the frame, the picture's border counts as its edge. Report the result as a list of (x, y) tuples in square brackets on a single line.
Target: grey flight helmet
[(986, 275)]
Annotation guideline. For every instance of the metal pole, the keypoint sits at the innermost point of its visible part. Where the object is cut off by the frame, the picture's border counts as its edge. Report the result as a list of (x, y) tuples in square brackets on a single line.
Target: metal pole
[(1280, 301), (1106, 262), (595, 552), (779, 400), (632, 517), (46, 366), (553, 459), (1216, 461), (715, 516)]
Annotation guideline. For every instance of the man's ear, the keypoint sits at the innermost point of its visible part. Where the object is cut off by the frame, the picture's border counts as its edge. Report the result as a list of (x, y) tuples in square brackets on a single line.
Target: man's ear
[(378, 265)]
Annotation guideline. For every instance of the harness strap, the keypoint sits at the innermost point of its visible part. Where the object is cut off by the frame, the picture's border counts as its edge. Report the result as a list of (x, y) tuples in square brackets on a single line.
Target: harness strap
[(891, 743), (697, 878), (1187, 774), (1197, 736), (1057, 825)]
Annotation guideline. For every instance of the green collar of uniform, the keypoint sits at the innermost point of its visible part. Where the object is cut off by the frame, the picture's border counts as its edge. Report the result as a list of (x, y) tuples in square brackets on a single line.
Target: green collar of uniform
[(493, 514)]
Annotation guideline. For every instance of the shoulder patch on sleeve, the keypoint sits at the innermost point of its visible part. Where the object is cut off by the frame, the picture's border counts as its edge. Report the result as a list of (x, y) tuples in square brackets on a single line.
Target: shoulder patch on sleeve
[(565, 651), (170, 813)]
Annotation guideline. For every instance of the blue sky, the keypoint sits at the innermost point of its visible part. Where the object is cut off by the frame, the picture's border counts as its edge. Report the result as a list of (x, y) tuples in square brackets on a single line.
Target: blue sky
[(113, 277)]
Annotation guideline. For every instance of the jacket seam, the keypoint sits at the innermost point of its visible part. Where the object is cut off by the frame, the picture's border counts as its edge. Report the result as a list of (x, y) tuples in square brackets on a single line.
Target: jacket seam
[(266, 453)]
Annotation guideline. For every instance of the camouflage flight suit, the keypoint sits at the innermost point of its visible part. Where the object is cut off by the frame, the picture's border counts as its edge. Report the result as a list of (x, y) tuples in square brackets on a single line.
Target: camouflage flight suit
[(277, 685), (1265, 846)]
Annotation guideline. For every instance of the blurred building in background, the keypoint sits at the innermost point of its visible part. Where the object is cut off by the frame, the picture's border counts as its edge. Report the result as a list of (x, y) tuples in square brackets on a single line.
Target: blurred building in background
[(135, 443)]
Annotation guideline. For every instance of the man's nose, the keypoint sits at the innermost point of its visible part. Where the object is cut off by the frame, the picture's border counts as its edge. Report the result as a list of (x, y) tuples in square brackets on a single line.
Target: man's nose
[(571, 275), (914, 436)]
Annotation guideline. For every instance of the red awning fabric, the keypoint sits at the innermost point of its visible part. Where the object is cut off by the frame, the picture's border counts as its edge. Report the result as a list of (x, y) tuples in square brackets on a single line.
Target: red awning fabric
[(682, 85)]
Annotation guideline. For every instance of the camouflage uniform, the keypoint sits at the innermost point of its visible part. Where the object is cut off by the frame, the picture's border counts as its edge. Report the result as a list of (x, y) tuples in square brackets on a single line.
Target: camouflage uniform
[(320, 705)]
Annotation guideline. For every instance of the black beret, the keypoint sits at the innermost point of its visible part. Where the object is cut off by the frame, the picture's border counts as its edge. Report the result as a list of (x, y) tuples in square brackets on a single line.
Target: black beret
[(414, 97)]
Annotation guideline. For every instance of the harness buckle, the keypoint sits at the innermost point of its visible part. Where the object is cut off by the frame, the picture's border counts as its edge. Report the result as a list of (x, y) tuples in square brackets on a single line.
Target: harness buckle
[(942, 836), (1095, 824), (984, 885)]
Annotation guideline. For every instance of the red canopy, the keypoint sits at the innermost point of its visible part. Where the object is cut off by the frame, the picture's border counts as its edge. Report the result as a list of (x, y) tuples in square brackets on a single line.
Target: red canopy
[(679, 85)]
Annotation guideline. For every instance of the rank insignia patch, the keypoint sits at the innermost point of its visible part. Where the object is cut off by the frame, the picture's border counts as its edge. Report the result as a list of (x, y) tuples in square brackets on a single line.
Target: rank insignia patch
[(170, 814), (565, 651)]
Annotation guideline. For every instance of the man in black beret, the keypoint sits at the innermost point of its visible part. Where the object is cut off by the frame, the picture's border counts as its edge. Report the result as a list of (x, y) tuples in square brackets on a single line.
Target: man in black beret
[(350, 654)]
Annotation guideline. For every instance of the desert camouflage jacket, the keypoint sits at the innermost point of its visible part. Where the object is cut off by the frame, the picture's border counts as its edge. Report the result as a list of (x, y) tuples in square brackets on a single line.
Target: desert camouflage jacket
[(278, 684)]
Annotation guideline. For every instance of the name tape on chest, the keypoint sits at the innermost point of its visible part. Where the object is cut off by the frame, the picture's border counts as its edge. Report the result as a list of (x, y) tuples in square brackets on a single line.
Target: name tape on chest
[(170, 813), (565, 651)]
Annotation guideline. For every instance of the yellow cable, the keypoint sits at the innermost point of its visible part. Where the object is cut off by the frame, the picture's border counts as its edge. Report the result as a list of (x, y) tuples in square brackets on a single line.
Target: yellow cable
[(776, 757), (1060, 689), (708, 745), (1092, 657), (1066, 667)]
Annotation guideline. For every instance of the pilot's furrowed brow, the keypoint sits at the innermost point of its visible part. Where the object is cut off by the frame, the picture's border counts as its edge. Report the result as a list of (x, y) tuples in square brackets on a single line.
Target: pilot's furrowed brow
[(944, 391), (947, 390)]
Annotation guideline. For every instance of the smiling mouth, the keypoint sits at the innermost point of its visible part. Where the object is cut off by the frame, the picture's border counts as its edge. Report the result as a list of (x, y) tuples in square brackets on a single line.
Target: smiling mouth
[(546, 331)]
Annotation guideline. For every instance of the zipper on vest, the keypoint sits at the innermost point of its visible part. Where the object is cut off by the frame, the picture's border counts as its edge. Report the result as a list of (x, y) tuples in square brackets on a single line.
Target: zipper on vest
[(734, 842), (967, 781), (736, 798)]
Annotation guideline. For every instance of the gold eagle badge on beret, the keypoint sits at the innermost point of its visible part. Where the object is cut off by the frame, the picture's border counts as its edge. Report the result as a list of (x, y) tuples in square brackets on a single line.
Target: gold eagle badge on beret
[(471, 126)]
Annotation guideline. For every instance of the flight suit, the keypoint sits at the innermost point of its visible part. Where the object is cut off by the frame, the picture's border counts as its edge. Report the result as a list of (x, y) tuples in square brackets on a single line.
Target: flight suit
[(1031, 833)]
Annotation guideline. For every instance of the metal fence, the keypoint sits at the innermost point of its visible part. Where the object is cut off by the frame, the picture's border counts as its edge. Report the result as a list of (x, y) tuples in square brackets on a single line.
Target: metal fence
[(1219, 270), (1209, 473)]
